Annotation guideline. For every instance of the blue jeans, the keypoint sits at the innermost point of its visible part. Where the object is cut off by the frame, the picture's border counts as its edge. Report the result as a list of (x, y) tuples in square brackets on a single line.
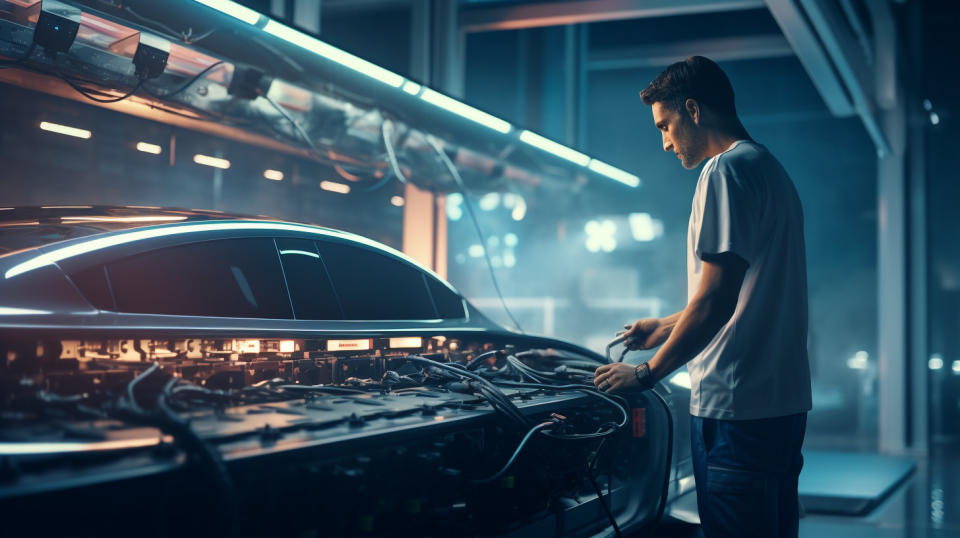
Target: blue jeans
[(746, 473)]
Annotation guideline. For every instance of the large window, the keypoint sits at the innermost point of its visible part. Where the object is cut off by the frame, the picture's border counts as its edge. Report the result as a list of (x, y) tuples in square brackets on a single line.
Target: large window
[(373, 286), (226, 278), (311, 291)]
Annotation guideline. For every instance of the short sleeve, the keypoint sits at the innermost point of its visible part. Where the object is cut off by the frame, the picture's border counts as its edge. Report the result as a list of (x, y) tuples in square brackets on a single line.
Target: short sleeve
[(729, 215)]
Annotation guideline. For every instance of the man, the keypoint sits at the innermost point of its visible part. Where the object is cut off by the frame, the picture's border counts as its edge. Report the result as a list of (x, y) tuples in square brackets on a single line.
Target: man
[(743, 332)]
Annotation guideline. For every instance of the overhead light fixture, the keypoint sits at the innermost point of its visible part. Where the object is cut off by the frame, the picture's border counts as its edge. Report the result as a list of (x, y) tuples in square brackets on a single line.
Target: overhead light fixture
[(643, 227), (147, 147), (462, 109), (235, 10), (397, 201), (858, 361), (519, 209), (333, 186), (489, 201), (935, 362), (273, 175), (601, 235), (555, 148), (215, 162), (412, 87), (330, 52), (614, 173), (65, 130)]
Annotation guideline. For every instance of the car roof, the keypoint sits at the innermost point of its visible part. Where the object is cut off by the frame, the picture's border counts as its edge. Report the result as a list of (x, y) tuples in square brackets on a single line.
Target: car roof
[(35, 226)]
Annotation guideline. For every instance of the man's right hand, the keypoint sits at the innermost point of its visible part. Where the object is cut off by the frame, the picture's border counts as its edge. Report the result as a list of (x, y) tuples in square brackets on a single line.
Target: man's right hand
[(645, 334)]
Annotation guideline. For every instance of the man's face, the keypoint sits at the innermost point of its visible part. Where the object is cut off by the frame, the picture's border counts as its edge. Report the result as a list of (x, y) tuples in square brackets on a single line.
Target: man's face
[(680, 134)]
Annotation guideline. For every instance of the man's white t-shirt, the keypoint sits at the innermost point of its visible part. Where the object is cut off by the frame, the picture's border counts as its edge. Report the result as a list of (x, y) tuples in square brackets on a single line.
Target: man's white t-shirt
[(756, 366)]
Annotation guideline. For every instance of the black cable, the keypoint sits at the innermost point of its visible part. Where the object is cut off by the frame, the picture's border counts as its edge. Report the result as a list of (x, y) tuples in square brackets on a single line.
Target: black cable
[(480, 358), (621, 406), (209, 459), (87, 92), (186, 85), (492, 393), (476, 224), (516, 453), (323, 388), (603, 502)]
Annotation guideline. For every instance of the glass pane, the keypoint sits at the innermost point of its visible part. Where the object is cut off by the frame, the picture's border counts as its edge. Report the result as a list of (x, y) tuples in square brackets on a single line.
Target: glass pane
[(311, 292), (372, 286), (228, 278), (92, 283), (449, 304)]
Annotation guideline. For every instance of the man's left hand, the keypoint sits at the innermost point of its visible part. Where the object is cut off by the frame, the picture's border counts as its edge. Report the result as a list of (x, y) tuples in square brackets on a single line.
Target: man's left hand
[(616, 377)]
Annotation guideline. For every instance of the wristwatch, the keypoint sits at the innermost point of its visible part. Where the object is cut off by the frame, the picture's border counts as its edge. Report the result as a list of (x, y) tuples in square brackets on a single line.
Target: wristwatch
[(644, 377)]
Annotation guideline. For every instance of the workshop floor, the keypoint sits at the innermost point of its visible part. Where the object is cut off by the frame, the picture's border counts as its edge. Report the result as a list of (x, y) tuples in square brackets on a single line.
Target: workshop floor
[(927, 505)]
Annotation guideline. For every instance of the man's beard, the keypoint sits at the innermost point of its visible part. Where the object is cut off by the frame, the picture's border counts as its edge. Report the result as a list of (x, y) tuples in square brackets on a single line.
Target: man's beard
[(693, 154)]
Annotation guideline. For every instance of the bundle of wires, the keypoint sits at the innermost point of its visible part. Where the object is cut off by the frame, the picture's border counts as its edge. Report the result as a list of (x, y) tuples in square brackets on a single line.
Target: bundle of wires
[(498, 400), (207, 457)]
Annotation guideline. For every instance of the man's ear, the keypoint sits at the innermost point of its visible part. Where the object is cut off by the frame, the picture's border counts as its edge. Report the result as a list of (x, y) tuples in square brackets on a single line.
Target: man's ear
[(693, 108)]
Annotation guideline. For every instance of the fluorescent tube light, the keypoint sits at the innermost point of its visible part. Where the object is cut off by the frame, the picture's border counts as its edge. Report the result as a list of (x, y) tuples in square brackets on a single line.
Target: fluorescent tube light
[(273, 175), (65, 130), (147, 147), (330, 52), (412, 87), (333, 186), (465, 110), (207, 160), (614, 173), (556, 148), (233, 9)]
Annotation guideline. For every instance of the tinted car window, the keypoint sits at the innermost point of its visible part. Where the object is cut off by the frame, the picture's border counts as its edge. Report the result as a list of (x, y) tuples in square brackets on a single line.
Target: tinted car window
[(92, 283), (371, 285), (449, 304), (226, 278), (310, 289)]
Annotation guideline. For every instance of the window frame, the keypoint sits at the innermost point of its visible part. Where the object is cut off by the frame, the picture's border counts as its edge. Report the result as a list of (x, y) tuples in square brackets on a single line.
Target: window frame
[(112, 254)]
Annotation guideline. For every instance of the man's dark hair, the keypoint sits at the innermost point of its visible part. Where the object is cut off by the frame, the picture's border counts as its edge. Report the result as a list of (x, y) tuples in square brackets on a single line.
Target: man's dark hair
[(695, 78)]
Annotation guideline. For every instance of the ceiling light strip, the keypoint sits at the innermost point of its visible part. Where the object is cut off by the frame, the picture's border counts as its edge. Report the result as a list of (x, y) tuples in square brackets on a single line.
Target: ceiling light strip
[(555, 148), (614, 173)]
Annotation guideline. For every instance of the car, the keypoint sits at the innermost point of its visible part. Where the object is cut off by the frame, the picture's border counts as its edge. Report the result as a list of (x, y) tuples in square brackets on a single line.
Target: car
[(194, 372)]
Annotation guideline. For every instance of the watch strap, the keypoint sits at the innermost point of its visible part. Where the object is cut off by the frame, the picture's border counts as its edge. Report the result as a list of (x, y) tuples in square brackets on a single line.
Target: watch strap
[(644, 377)]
